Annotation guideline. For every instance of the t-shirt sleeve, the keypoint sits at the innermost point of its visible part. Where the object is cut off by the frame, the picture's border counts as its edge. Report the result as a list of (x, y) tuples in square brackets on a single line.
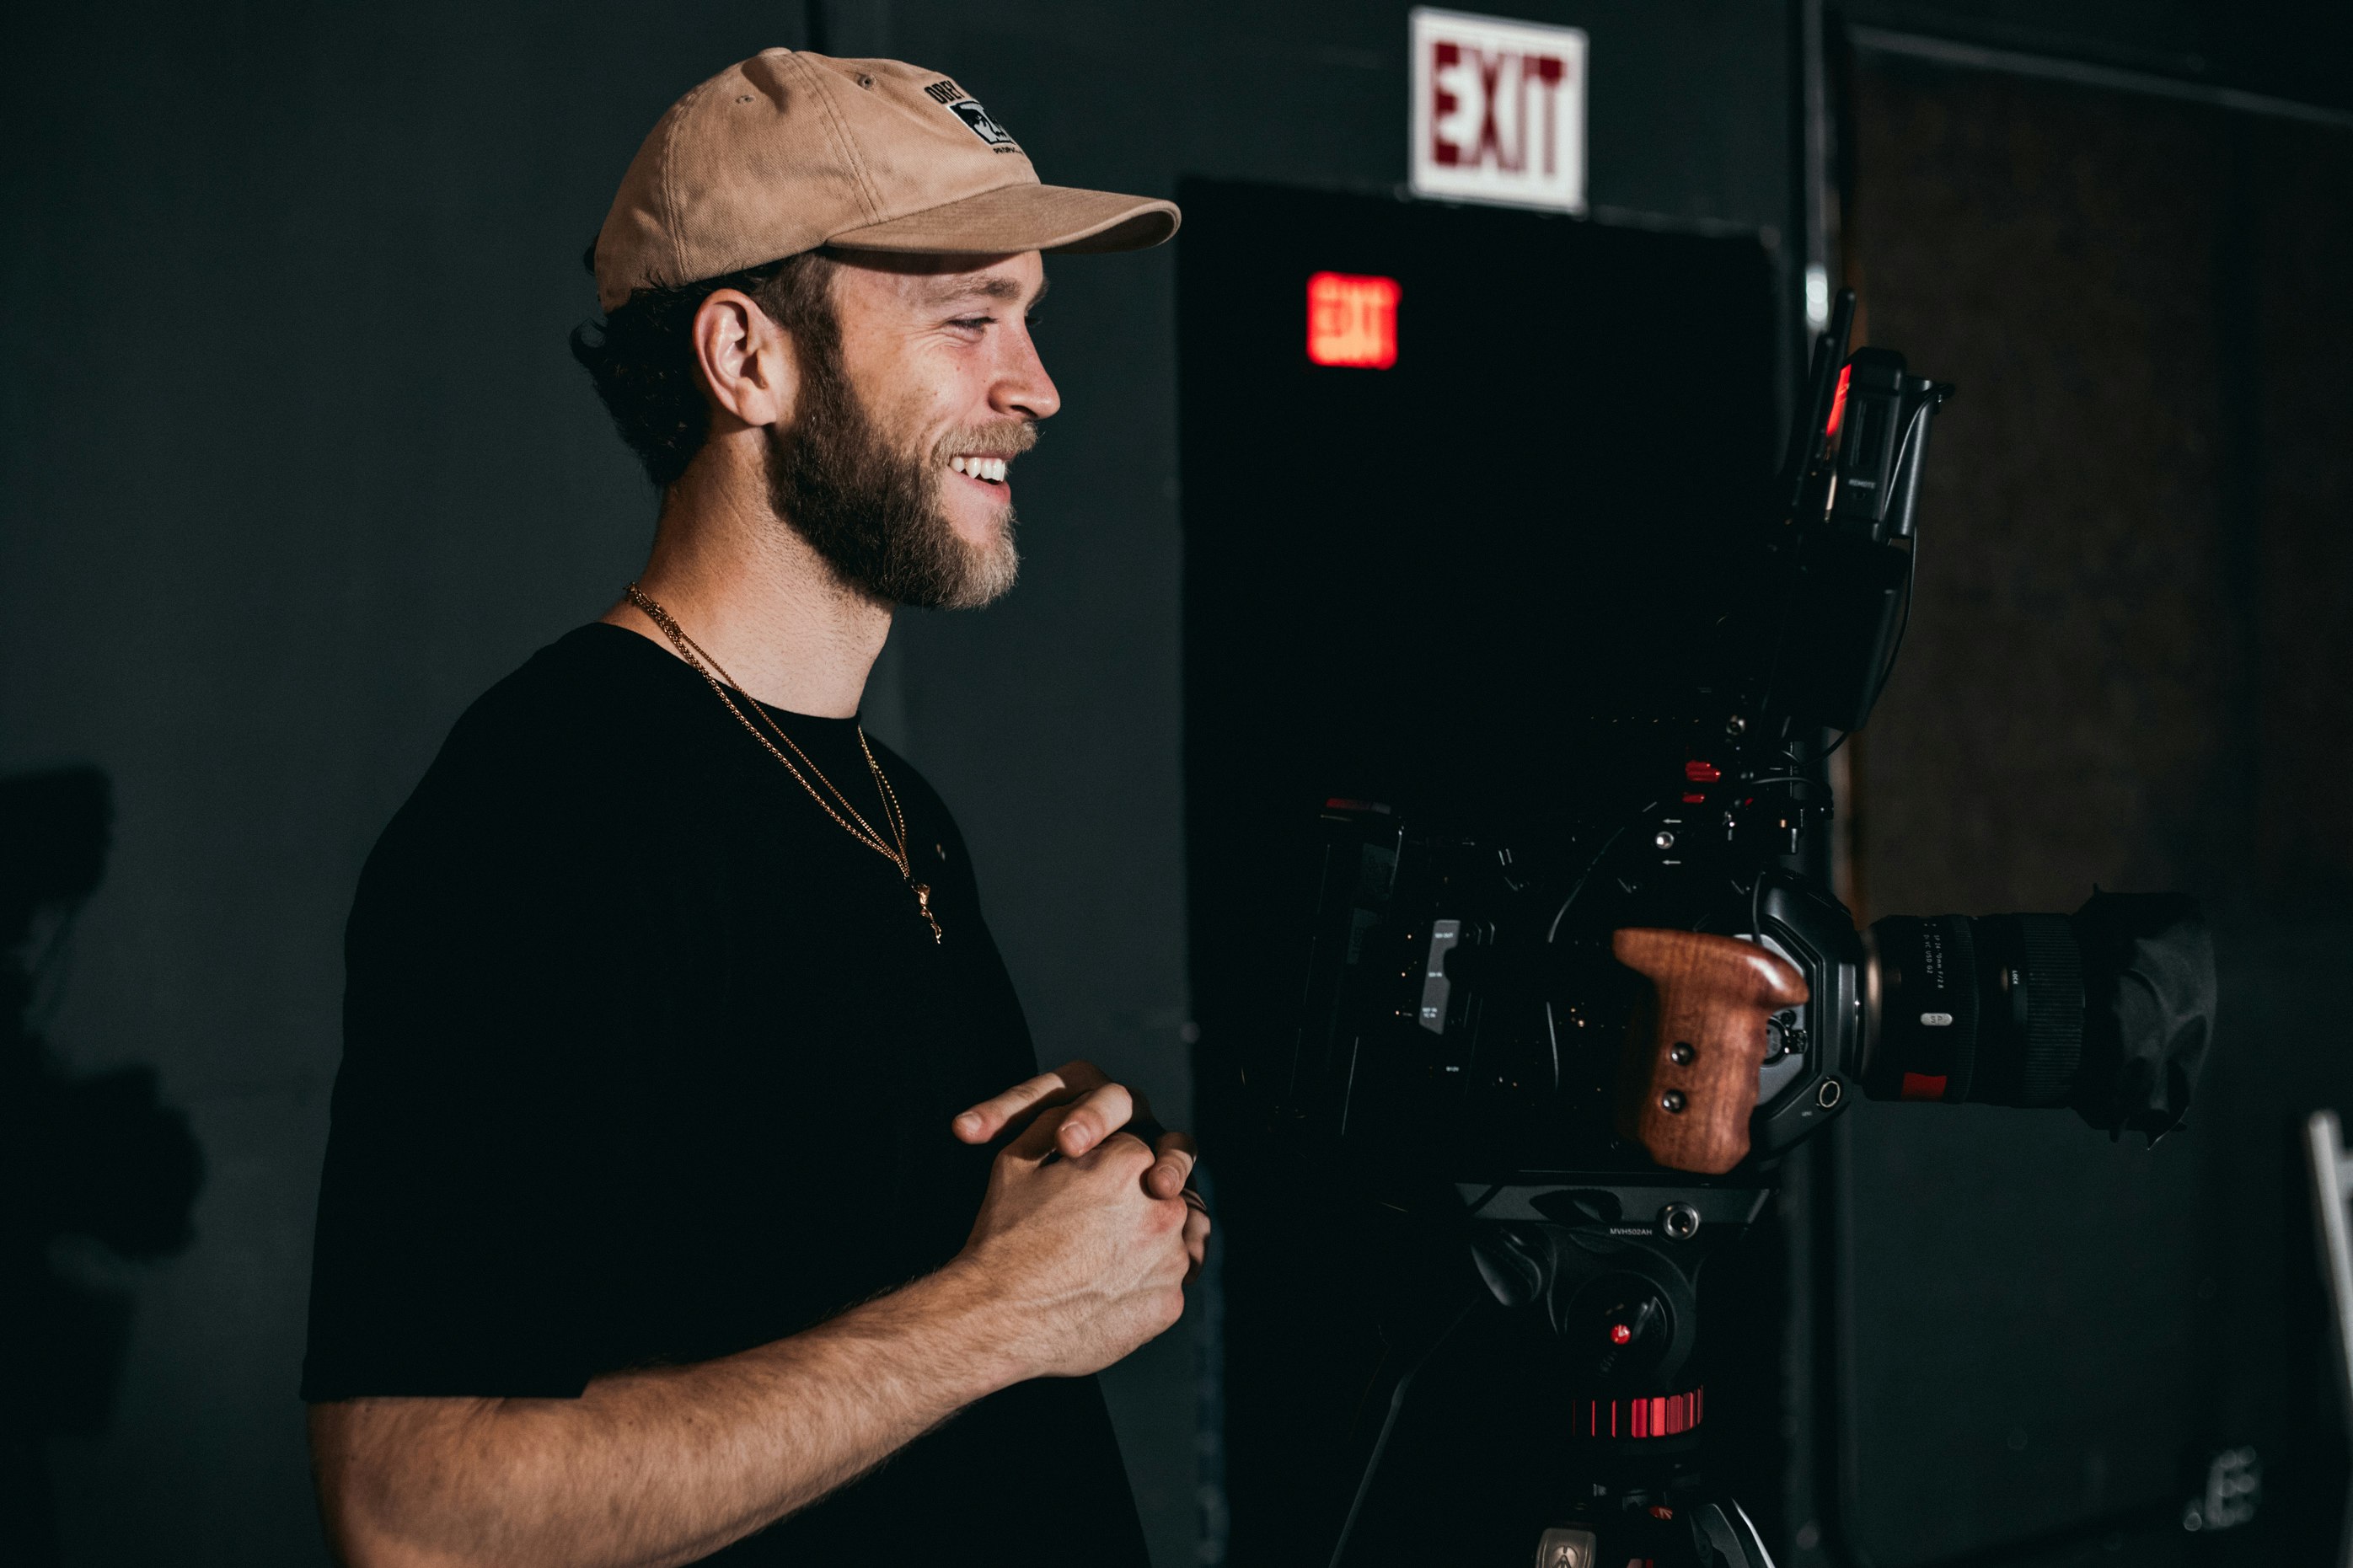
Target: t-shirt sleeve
[(456, 1210)]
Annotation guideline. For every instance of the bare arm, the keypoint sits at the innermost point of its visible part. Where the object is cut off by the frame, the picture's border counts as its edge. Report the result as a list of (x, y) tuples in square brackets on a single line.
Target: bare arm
[(1072, 1264), (657, 1467)]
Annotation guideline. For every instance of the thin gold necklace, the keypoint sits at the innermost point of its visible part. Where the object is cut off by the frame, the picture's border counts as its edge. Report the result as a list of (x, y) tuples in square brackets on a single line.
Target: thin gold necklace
[(893, 849)]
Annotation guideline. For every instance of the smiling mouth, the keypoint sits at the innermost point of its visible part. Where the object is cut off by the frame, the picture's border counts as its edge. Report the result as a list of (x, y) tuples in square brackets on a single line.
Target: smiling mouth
[(987, 470)]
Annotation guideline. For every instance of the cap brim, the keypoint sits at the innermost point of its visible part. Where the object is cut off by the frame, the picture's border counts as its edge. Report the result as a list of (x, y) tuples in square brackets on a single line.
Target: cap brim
[(1024, 217)]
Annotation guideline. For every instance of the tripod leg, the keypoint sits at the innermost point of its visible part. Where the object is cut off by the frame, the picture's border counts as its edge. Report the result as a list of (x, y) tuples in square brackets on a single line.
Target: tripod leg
[(1395, 1408), (1724, 1532)]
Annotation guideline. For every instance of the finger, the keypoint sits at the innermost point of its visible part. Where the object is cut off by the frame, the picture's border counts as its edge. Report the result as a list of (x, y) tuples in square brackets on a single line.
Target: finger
[(1036, 1139), (1131, 1156), (980, 1124), (1170, 1174), (1197, 1243), (1095, 1116)]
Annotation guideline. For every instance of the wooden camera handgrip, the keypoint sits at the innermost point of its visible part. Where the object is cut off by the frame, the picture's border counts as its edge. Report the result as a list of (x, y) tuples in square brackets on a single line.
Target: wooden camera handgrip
[(1687, 1081)]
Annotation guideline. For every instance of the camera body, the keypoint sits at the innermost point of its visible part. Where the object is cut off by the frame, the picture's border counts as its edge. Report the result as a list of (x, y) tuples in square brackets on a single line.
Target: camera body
[(1465, 1004)]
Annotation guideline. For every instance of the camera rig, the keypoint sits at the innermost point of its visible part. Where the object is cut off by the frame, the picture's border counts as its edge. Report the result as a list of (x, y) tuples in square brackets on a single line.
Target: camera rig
[(1566, 1049)]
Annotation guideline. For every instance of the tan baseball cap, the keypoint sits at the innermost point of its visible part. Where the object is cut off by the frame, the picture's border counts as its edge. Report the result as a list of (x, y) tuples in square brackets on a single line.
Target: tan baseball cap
[(789, 150)]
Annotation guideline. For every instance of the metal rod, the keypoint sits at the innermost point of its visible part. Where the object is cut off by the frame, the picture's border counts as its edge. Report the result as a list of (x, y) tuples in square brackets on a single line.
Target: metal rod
[(2084, 73)]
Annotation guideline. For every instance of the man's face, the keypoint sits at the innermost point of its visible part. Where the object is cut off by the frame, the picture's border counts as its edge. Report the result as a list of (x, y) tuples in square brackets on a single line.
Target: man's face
[(895, 465)]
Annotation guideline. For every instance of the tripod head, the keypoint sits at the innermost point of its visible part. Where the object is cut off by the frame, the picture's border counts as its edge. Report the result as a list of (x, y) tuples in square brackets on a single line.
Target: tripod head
[(1582, 1301)]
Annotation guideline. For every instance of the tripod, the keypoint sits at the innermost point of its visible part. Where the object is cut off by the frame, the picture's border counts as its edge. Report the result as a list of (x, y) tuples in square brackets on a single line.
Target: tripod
[(1579, 1320)]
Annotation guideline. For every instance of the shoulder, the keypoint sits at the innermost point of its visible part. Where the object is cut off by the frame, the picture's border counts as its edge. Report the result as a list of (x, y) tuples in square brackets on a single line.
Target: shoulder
[(541, 755), (576, 697)]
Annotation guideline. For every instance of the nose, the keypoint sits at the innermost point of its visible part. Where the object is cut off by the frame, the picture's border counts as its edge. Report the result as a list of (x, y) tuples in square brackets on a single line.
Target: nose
[(1023, 389)]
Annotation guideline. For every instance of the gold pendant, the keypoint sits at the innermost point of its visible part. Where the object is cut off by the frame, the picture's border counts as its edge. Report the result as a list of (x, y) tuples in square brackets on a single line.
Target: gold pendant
[(923, 908)]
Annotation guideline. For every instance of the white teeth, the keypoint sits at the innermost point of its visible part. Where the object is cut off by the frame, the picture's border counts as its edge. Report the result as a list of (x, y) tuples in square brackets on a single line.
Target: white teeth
[(956, 463), (980, 467), (996, 469)]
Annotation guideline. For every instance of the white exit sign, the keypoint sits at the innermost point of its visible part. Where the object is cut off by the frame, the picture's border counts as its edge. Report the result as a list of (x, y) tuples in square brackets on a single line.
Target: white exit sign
[(1498, 111)]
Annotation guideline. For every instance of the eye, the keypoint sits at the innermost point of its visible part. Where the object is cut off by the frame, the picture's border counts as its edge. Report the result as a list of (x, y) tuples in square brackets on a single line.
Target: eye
[(971, 323)]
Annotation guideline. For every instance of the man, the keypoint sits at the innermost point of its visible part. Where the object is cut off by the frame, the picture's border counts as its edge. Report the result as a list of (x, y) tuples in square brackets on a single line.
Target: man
[(660, 1209)]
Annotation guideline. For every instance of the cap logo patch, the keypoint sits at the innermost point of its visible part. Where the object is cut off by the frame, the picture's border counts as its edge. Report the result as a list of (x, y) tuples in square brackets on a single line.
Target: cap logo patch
[(965, 106)]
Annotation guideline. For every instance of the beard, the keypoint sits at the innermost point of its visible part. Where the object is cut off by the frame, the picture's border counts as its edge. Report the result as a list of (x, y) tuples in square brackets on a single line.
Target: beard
[(871, 508)]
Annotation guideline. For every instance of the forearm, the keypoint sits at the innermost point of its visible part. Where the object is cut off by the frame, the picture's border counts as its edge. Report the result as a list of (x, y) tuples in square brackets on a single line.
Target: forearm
[(663, 1466)]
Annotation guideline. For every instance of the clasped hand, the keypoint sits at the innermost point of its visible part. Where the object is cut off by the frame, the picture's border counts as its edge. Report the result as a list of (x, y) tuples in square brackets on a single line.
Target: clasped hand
[(1089, 1220)]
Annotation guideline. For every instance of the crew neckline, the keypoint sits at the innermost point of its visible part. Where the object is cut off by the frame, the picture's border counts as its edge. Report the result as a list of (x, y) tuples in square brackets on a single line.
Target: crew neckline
[(671, 658)]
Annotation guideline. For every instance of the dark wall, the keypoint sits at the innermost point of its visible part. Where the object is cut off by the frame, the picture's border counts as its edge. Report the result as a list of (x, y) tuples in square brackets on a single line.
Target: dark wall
[(292, 463)]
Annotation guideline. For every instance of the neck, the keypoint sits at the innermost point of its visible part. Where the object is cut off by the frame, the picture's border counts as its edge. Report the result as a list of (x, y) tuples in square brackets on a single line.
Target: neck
[(748, 588)]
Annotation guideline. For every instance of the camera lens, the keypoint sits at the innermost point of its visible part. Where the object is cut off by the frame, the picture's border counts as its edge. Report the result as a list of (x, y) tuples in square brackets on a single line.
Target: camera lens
[(1987, 1008)]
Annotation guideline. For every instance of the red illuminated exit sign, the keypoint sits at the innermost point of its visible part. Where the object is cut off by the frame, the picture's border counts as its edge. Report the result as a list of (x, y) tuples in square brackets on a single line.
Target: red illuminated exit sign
[(1498, 111), (1352, 320)]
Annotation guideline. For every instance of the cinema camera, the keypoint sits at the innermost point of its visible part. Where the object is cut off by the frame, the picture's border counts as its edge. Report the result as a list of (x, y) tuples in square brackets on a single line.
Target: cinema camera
[(1591, 1037)]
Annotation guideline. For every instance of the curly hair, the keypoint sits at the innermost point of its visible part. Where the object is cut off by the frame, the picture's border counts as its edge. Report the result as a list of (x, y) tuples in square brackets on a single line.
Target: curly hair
[(642, 355)]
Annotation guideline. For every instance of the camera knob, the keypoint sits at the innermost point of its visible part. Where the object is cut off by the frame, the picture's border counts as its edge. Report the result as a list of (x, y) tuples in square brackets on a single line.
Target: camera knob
[(1632, 1324)]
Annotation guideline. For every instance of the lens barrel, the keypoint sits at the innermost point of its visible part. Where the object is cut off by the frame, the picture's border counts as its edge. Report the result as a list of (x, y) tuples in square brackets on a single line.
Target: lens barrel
[(1987, 1008)]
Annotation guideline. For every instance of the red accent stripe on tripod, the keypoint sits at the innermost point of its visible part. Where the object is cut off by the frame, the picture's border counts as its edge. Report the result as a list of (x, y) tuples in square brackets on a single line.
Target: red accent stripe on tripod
[(1654, 1415)]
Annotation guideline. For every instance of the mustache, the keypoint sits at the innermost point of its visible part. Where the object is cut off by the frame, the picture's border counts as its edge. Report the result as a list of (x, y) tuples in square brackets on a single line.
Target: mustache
[(998, 439)]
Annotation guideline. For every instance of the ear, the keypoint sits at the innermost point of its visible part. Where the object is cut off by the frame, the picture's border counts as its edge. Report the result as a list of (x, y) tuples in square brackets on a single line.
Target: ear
[(745, 361)]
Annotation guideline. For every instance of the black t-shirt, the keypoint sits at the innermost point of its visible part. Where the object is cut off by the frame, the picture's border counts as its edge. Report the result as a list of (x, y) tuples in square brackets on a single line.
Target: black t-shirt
[(647, 1061)]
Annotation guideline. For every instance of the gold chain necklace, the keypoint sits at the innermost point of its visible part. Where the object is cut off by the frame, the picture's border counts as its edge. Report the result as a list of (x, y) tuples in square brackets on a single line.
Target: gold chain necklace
[(893, 849)]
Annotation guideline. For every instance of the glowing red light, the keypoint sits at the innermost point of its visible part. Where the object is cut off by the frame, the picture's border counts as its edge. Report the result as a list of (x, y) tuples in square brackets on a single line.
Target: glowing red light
[(1702, 773), (1620, 1335), (1352, 320), (1838, 403)]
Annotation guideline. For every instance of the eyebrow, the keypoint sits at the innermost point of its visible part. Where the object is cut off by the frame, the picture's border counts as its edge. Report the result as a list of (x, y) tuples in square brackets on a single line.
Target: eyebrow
[(992, 289)]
